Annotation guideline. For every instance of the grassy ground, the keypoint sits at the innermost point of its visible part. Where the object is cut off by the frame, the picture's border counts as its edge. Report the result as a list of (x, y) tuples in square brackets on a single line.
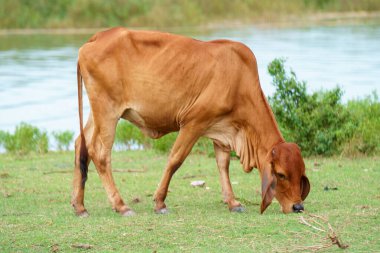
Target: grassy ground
[(35, 214)]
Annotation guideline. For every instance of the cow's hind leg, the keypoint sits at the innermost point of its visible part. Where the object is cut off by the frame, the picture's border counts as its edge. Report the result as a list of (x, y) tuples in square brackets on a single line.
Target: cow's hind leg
[(223, 161), (100, 152), (80, 174), (186, 139)]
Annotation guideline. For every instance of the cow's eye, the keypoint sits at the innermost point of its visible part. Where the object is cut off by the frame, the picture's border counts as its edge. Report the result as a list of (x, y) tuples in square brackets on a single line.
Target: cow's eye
[(281, 176)]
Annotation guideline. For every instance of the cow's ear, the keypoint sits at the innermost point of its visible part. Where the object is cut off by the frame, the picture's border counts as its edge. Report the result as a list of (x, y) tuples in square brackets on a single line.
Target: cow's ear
[(305, 187), (268, 185)]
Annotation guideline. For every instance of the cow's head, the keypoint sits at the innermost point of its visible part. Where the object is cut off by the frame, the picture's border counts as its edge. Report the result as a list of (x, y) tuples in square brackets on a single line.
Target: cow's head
[(284, 178)]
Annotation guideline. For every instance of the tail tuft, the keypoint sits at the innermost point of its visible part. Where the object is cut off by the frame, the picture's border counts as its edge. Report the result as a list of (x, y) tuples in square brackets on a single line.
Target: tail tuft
[(83, 157)]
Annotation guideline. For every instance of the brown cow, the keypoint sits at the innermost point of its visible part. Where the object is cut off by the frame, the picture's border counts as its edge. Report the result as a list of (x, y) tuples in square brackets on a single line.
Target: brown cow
[(163, 83)]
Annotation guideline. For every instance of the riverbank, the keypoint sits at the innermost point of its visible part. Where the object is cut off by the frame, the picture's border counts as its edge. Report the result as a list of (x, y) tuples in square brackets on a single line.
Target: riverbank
[(264, 22), (164, 13)]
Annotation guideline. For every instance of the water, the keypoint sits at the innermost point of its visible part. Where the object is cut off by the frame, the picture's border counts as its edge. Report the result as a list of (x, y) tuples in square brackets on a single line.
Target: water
[(38, 72)]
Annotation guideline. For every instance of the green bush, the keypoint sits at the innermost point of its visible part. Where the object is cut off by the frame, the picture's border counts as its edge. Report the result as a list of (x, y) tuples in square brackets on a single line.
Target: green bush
[(318, 123), (25, 139), (129, 136), (63, 139), (2, 138), (204, 146), (366, 139), (165, 143), (42, 142)]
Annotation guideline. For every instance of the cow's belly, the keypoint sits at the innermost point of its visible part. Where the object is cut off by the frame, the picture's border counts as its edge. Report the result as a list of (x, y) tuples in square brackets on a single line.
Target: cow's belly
[(151, 123)]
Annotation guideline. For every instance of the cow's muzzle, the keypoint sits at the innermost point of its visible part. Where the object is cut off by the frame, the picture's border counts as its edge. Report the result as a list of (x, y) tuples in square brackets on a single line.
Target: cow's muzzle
[(297, 208)]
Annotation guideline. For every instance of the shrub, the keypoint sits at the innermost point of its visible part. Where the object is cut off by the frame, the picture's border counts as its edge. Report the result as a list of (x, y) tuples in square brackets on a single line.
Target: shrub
[(366, 113), (129, 136), (318, 123), (42, 143), (63, 139), (2, 137), (165, 143), (204, 146), (26, 139)]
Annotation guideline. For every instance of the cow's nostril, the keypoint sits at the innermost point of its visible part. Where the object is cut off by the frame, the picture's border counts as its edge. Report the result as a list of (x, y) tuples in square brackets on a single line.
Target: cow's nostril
[(297, 208)]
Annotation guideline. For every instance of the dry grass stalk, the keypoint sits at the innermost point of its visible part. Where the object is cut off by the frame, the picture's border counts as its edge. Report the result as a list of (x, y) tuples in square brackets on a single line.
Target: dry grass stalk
[(321, 225)]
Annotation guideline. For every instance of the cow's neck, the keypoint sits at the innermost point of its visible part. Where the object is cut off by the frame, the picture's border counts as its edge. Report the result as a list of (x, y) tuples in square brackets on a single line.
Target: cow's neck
[(259, 135)]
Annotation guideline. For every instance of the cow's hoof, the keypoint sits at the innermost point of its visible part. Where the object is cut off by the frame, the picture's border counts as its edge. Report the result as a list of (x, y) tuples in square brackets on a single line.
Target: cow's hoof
[(162, 211), (238, 209), (83, 214), (128, 213)]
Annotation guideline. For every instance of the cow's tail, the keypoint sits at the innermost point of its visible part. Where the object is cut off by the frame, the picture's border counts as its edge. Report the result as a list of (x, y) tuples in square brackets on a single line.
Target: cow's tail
[(83, 155)]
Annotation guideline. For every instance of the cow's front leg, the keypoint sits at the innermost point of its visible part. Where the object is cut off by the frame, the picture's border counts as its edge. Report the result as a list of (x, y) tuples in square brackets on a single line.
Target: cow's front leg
[(182, 146), (223, 161)]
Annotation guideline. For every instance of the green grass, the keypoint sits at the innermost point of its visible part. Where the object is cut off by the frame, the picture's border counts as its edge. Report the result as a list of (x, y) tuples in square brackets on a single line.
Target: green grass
[(35, 214)]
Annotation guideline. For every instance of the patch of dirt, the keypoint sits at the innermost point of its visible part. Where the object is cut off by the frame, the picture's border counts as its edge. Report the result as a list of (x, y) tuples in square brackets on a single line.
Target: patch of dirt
[(4, 175)]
